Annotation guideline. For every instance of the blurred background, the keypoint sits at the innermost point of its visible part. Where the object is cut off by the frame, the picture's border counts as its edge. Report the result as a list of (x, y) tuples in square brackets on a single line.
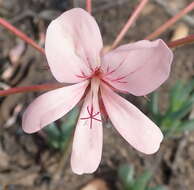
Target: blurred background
[(41, 161)]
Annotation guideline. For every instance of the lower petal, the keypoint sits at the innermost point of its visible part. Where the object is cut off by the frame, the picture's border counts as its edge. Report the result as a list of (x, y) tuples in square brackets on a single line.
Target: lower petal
[(87, 144), (51, 106), (137, 129)]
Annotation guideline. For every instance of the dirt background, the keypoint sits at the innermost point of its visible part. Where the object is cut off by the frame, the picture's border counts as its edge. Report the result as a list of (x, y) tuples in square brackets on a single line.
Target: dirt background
[(26, 162)]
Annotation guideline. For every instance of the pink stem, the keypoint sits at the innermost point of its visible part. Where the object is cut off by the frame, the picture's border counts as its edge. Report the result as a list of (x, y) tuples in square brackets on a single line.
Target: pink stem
[(33, 88), (43, 87), (89, 6), (187, 40), (130, 21), (170, 22), (21, 35)]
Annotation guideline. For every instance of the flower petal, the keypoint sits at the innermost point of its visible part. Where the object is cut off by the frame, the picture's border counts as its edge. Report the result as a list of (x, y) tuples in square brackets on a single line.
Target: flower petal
[(51, 106), (138, 68), (87, 144), (73, 44), (137, 129)]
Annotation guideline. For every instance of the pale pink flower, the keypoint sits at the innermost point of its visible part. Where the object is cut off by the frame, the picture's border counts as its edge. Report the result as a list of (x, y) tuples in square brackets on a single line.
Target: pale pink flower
[(73, 50)]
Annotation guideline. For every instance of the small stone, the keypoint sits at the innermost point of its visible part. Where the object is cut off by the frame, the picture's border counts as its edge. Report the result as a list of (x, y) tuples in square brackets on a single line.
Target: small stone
[(96, 184)]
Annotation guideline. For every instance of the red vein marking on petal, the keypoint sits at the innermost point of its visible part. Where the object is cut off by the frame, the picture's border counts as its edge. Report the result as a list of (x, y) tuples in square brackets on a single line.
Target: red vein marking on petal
[(108, 68), (118, 79), (91, 116), (88, 62), (95, 73), (113, 88), (83, 75)]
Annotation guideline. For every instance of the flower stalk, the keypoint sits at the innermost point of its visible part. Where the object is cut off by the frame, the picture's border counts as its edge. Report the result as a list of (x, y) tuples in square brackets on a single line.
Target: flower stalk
[(33, 88), (170, 22), (89, 6), (129, 23), (180, 42), (43, 87), (21, 35)]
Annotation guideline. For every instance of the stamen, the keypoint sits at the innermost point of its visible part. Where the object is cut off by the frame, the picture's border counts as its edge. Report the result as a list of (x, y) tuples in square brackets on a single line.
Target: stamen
[(91, 116)]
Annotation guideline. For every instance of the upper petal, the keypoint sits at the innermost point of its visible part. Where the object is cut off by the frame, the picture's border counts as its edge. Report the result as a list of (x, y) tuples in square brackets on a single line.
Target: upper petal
[(51, 106), (87, 144), (137, 129), (138, 68), (73, 44)]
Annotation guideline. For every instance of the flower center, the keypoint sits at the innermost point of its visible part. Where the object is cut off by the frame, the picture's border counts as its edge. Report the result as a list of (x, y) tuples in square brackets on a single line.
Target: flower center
[(96, 73)]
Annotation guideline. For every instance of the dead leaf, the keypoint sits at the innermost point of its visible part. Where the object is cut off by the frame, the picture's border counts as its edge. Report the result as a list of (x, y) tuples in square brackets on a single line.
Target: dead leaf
[(4, 159), (8, 73), (10, 121), (16, 52), (28, 180), (20, 177), (149, 8), (181, 31)]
